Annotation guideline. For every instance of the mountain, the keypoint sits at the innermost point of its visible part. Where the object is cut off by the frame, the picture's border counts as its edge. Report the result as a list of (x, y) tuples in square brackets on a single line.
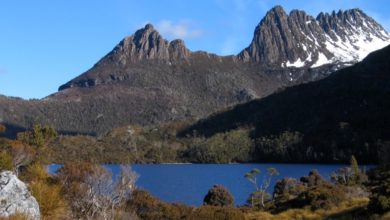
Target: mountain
[(148, 80), (343, 114), (145, 80), (298, 39)]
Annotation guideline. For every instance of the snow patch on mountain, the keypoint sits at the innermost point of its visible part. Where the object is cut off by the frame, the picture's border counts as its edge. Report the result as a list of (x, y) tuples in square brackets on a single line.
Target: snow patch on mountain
[(298, 63), (321, 60), (299, 40)]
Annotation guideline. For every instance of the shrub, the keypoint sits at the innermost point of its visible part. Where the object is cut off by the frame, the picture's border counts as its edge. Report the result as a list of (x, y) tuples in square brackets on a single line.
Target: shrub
[(149, 208), (311, 190), (35, 172), (218, 196), (17, 216), (38, 136), (349, 176), (287, 189), (259, 200), (380, 189), (313, 179), (91, 190), (322, 196), (2, 128), (319, 193), (46, 191), (22, 155), (216, 213), (5, 161), (49, 197)]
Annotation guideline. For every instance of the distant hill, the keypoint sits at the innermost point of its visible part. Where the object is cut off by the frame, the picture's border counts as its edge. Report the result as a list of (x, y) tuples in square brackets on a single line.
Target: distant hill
[(346, 113), (148, 80)]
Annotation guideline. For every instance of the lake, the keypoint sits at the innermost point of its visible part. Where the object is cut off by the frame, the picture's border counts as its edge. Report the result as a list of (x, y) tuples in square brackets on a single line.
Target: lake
[(189, 183)]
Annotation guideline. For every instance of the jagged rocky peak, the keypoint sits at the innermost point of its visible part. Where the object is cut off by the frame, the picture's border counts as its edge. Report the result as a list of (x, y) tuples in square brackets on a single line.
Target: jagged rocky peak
[(148, 44), (178, 50), (299, 40), (349, 23), (277, 39)]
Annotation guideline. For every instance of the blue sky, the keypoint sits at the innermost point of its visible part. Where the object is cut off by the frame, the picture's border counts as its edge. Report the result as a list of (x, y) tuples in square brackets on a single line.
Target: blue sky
[(45, 43)]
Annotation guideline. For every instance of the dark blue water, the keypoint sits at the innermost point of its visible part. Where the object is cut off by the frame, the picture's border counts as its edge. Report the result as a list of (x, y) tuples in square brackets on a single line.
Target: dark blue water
[(189, 183)]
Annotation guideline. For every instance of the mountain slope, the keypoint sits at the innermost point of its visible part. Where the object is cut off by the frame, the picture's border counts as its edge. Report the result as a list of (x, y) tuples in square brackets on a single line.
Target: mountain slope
[(343, 114), (147, 80)]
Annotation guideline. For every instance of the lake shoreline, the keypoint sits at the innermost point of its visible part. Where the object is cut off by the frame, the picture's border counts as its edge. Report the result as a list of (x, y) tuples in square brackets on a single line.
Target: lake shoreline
[(188, 183), (292, 163)]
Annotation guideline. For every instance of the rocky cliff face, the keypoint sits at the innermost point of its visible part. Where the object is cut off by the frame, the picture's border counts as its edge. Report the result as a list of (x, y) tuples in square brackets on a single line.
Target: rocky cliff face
[(146, 45), (299, 40), (280, 40), (15, 197)]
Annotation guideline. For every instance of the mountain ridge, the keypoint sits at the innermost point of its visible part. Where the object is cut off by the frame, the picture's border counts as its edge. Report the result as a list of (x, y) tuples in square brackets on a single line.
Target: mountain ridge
[(280, 40), (298, 39), (148, 80)]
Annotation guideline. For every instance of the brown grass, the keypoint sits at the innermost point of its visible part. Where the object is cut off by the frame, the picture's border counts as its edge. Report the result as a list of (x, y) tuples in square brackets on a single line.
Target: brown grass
[(47, 192), (307, 213), (17, 216)]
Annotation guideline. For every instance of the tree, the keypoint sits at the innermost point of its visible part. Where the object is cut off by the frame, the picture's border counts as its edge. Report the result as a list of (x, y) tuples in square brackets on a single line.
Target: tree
[(349, 176), (38, 136), (354, 165), (260, 196), (92, 192), (278, 146), (219, 196)]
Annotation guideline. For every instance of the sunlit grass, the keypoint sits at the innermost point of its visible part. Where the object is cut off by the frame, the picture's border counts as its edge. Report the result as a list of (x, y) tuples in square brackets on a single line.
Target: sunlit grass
[(17, 216), (307, 213)]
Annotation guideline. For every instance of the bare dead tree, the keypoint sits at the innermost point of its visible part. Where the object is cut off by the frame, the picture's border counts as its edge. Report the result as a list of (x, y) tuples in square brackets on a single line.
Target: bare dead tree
[(98, 195)]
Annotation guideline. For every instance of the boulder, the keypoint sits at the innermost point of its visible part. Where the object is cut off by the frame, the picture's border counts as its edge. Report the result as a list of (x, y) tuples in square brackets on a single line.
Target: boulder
[(15, 197)]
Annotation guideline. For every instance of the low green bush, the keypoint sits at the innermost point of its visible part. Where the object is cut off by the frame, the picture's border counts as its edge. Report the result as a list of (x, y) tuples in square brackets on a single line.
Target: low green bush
[(219, 196)]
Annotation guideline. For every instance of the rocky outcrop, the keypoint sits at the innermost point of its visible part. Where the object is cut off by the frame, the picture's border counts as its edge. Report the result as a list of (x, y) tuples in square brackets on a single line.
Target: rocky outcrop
[(145, 45), (277, 37), (148, 44), (280, 40), (15, 197), (299, 40)]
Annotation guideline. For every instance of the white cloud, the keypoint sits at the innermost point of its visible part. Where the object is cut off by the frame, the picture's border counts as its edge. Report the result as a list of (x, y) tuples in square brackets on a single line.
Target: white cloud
[(183, 29)]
